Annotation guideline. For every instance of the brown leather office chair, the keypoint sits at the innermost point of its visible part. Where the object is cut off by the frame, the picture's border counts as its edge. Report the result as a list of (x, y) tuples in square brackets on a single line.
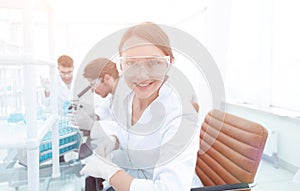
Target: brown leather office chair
[(230, 152)]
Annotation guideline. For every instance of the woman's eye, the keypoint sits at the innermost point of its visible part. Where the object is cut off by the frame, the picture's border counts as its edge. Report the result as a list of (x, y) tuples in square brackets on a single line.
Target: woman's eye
[(154, 62), (130, 63)]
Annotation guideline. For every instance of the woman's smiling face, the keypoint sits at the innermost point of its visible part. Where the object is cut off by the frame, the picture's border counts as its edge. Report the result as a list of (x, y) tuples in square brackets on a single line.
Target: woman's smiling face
[(144, 68)]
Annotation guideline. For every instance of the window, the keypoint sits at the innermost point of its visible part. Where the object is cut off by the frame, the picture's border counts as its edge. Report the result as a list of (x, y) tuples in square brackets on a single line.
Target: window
[(263, 60)]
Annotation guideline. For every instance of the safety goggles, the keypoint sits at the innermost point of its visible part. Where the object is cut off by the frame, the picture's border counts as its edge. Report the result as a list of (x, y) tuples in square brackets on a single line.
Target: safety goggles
[(95, 83), (153, 65)]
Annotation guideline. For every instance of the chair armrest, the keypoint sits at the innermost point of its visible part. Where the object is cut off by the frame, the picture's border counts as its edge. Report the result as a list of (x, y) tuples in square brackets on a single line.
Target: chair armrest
[(239, 186)]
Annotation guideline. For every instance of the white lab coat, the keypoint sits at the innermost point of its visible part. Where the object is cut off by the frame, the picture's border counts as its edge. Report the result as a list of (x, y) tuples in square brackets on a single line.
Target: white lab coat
[(103, 107), (64, 93), (160, 150)]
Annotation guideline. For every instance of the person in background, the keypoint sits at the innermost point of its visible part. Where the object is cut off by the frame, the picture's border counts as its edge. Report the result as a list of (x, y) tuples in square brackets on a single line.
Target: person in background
[(64, 92), (65, 68), (158, 142), (103, 76)]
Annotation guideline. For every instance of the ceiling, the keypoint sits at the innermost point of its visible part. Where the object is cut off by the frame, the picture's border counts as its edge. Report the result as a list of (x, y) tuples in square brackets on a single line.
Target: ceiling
[(19, 4), (114, 11)]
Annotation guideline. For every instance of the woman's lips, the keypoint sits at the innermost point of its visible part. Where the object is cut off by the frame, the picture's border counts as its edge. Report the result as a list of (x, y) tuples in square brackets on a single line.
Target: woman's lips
[(143, 85)]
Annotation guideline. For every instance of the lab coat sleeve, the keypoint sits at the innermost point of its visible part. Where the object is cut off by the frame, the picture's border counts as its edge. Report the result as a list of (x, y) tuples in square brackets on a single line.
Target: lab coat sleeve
[(45, 101), (176, 175)]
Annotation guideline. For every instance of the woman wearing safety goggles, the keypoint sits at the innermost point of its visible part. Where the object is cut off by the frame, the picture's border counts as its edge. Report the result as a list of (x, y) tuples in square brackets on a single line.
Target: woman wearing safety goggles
[(157, 144)]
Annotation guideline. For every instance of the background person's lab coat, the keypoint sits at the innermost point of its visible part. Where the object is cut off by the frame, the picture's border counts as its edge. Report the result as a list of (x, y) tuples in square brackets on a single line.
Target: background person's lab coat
[(103, 107), (64, 95)]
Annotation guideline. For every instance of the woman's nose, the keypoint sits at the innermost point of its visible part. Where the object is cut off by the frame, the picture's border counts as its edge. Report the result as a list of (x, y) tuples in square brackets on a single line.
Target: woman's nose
[(142, 72)]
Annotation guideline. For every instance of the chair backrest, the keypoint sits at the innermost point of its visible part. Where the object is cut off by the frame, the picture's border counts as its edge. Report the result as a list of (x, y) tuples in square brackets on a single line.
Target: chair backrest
[(230, 149)]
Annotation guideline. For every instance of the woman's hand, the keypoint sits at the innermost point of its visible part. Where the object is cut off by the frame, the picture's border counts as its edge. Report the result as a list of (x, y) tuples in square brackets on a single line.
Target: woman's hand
[(105, 146)]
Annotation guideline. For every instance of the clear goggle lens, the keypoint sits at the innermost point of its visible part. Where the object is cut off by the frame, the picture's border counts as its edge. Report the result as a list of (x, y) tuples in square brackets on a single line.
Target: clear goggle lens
[(95, 83), (154, 65)]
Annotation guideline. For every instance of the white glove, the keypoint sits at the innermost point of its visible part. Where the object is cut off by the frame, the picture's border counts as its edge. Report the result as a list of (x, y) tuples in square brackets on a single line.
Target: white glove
[(105, 146), (85, 116), (99, 167), (45, 83)]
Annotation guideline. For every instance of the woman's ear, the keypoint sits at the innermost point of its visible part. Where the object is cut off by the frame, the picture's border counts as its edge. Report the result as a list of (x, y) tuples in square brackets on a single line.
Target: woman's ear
[(171, 60)]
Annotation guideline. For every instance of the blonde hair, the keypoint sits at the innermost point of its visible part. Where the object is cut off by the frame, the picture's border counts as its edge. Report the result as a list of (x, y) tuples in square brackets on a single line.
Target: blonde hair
[(65, 61), (151, 33), (99, 67)]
